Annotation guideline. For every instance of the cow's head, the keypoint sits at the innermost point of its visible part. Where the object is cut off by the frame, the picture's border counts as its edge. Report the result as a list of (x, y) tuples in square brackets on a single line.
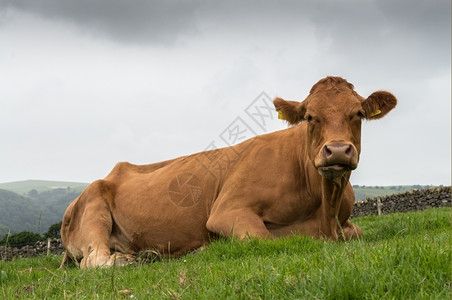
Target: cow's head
[(333, 112)]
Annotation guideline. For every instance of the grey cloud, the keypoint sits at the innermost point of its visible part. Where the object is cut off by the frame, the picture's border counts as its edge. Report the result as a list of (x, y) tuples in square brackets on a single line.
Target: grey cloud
[(410, 38), (276, 46), (132, 21), (344, 22)]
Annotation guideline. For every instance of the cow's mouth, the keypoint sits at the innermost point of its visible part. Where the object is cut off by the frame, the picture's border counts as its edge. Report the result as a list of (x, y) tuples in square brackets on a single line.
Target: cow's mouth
[(332, 171)]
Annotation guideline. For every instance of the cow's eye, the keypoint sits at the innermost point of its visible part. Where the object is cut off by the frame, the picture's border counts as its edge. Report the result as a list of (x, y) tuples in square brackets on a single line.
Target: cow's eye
[(309, 118), (358, 115)]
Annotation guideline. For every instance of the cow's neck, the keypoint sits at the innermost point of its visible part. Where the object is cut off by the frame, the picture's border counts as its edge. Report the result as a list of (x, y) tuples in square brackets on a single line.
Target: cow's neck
[(332, 193)]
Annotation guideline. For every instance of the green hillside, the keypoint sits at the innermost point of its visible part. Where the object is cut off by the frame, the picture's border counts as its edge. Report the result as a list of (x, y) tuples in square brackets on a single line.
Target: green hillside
[(17, 213), (34, 205), (363, 192), (24, 187), (35, 212)]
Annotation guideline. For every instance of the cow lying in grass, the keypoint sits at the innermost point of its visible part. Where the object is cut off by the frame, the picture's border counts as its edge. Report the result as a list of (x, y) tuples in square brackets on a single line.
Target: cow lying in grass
[(293, 181)]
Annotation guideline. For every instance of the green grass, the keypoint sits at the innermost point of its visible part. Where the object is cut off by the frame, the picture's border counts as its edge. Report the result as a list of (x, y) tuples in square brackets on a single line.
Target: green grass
[(401, 256)]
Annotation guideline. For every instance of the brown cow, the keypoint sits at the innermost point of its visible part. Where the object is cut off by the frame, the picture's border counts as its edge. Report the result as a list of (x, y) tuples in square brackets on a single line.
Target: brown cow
[(293, 181)]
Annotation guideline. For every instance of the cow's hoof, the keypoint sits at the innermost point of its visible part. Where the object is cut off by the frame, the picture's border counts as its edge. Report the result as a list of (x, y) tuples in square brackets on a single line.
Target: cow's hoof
[(148, 256), (120, 260), (351, 231)]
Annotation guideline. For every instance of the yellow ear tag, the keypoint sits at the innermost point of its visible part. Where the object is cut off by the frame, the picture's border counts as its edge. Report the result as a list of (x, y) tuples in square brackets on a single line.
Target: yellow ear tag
[(280, 116), (375, 113)]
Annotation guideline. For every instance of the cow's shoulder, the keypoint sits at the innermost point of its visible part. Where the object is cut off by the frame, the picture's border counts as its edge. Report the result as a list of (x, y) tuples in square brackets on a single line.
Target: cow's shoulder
[(122, 170)]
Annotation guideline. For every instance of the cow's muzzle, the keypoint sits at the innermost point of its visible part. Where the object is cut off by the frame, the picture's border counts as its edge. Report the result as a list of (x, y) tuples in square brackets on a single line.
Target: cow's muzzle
[(336, 159)]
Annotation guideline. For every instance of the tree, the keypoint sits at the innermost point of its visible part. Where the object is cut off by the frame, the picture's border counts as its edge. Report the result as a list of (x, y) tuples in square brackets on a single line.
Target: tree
[(54, 231), (33, 193), (21, 239)]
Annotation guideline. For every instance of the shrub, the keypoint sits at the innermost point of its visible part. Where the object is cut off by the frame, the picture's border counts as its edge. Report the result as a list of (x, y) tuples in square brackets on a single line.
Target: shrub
[(54, 231), (21, 239)]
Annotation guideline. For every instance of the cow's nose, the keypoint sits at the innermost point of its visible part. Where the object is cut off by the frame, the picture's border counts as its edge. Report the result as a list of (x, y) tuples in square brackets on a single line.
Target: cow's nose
[(338, 153)]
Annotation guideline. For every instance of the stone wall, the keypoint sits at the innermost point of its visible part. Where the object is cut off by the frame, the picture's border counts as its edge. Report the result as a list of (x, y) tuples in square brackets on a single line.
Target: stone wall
[(40, 248), (408, 201)]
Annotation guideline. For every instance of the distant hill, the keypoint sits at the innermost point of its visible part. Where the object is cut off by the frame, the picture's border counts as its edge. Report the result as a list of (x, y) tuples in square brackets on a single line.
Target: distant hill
[(35, 214), (24, 187), (34, 205), (363, 192)]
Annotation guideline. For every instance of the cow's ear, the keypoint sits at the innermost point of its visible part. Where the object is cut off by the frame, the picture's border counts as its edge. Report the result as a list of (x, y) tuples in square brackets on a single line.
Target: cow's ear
[(290, 111), (377, 105)]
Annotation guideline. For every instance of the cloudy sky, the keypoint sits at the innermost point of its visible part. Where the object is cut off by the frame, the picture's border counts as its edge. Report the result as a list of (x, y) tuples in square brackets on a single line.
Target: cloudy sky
[(87, 83)]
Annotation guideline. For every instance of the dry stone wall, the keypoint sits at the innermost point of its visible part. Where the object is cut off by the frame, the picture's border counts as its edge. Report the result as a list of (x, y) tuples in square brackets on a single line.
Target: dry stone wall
[(403, 202), (54, 246), (409, 201)]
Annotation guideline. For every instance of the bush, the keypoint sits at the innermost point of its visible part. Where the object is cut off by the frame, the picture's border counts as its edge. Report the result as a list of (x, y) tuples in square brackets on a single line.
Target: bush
[(21, 239), (54, 231)]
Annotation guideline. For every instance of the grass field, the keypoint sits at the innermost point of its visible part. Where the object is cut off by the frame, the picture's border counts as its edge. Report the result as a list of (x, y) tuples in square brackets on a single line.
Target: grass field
[(401, 256)]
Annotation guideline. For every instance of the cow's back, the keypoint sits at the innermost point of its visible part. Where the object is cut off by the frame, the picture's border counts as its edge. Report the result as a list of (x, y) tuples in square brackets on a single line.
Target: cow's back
[(163, 208)]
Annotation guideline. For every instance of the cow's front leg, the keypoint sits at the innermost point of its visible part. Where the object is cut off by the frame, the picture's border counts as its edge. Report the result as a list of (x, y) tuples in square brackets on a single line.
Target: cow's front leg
[(349, 231), (241, 223)]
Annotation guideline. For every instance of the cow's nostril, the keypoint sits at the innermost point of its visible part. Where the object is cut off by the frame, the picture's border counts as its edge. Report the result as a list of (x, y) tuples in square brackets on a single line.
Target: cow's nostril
[(338, 153), (327, 152), (349, 152)]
